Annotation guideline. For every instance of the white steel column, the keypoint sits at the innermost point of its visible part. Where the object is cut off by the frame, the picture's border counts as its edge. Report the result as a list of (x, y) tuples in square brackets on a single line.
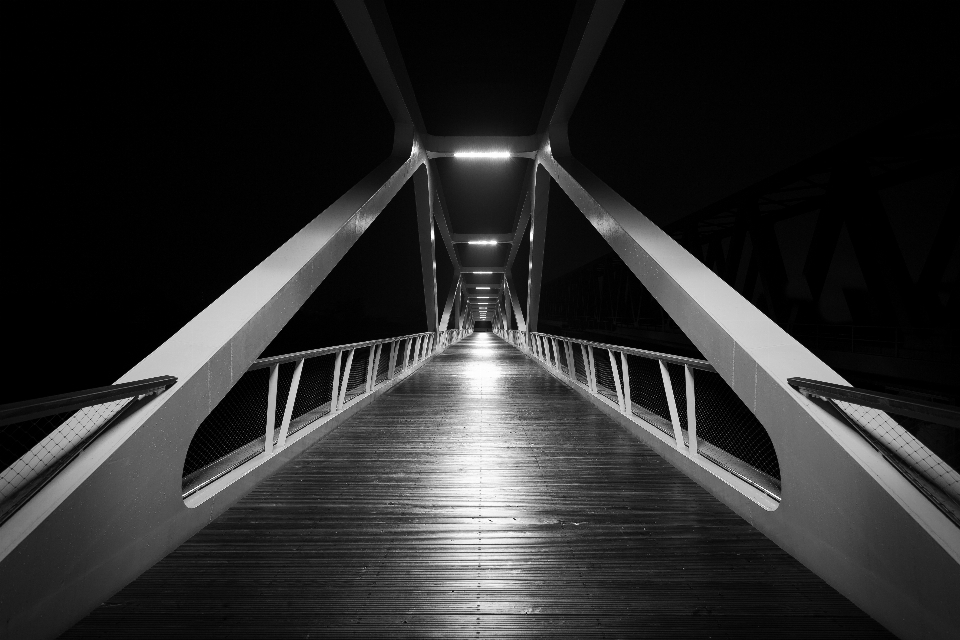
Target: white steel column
[(428, 262), (538, 232)]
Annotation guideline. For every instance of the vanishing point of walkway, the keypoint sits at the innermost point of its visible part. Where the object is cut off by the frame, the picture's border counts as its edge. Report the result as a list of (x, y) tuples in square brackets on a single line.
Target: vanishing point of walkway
[(480, 498)]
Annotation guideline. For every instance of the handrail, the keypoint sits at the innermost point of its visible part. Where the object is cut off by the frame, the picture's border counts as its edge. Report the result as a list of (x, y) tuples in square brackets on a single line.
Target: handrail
[(400, 355), (312, 353), (15, 412), (750, 456), (642, 353), (930, 411)]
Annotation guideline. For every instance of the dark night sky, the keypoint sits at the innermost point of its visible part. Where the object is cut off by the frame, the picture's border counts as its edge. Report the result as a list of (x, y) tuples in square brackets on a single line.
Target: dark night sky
[(158, 152)]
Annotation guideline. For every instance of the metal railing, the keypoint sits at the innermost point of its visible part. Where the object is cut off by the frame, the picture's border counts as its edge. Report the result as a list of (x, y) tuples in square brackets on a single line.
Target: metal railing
[(923, 442), (683, 398), (39, 438), (280, 396)]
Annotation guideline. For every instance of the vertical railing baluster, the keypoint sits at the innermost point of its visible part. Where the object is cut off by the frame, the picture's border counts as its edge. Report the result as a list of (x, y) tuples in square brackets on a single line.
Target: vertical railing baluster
[(346, 380), (406, 356), (586, 363), (271, 409), (616, 380), (627, 403), (671, 404), (691, 409), (394, 346), (591, 371), (371, 370), (376, 365), (335, 394), (571, 365), (288, 409)]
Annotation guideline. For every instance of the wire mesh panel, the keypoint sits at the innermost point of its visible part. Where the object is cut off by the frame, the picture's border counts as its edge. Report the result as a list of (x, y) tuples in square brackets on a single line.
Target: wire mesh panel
[(357, 380), (647, 396), (731, 436), (383, 366), (941, 439), (401, 353), (32, 451), (232, 433), (315, 392), (918, 457), (606, 386), (579, 367)]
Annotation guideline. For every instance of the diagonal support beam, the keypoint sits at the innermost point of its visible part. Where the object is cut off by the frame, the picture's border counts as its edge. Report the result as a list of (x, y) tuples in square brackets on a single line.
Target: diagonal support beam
[(589, 28), (428, 262), (515, 302), (127, 482), (825, 528), (440, 212), (452, 299), (538, 234), (372, 32), (522, 217)]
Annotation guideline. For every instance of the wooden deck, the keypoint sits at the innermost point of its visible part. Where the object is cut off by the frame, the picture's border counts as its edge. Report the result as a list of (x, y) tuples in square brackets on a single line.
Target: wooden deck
[(481, 498)]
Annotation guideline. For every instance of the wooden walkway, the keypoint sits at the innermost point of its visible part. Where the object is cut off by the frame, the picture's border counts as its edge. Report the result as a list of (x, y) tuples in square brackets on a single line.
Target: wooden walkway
[(481, 498)]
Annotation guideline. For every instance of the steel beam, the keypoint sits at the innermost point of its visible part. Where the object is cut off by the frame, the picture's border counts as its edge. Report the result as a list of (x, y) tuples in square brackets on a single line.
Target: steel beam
[(370, 28), (515, 302), (121, 500), (538, 233), (522, 217), (589, 28), (452, 297), (446, 146), (428, 262), (464, 238), (440, 213), (846, 511)]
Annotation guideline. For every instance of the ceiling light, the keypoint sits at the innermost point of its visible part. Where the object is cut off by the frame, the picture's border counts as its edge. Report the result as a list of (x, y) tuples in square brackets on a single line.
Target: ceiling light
[(481, 242), (482, 287), (481, 271), (487, 155)]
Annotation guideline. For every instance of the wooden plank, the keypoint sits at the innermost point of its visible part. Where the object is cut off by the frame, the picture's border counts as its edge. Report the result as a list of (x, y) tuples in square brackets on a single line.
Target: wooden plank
[(480, 498)]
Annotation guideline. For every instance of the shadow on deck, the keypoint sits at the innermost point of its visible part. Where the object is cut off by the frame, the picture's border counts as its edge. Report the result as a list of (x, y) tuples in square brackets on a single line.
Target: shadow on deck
[(479, 498)]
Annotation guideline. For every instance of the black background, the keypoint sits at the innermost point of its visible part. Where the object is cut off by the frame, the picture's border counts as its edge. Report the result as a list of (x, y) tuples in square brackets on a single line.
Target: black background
[(156, 153)]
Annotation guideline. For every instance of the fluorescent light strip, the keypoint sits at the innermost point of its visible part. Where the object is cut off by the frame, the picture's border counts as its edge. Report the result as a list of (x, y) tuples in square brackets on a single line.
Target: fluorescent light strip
[(481, 242), (482, 287), (486, 155)]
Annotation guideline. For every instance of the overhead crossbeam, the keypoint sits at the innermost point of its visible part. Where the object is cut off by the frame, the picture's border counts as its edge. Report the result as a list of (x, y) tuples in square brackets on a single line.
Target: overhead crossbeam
[(448, 146), (467, 238), (481, 270)]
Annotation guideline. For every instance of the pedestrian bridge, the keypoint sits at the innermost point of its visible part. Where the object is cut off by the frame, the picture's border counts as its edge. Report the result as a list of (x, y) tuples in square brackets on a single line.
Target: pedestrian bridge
[(460, 483), (480, 497)]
